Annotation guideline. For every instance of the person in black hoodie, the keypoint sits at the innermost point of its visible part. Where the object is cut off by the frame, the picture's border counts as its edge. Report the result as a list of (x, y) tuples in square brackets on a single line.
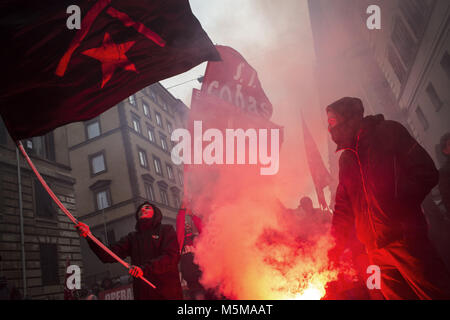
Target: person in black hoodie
[(153, 249), (384, 176)]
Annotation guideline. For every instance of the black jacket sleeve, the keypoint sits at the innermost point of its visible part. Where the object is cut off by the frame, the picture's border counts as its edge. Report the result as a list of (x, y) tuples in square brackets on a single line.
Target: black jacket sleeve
[(343, 220), (121, 248), (416, 173), (170, 255)]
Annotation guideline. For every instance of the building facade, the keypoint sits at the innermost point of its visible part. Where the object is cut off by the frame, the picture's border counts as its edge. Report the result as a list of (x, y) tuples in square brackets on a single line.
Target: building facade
[(50, 241), (400, 70), (121, 159), (413, 51)]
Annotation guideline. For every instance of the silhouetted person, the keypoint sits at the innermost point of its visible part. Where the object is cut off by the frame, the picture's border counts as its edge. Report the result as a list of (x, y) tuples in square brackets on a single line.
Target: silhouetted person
[(384, 175), (315, 217), (189, 227), (307, 205), (8, 291)]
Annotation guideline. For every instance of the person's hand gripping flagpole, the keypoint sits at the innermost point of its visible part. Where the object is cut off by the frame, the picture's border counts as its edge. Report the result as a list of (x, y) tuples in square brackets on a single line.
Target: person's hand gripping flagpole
[(83, 228)]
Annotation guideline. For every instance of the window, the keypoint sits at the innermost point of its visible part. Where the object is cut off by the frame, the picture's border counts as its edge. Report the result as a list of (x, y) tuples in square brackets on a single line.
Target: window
[(164, 105), (146, 109), (93, 129), (36, 145), (180, 177), (149, 191), (445, 63), (177, 201), (158, 119), (143, 158), (111, 236), (50, 146), (157, 164), (97, 163), (163, 142), (3, 132), (164, 197), (136, 124), (43, 201), (403, 41), (169, 127), (151, 134), (432, 94), (396, 64), (170, 172), (103, 199), (415, 13), (152, 95), (43, 146), (176, 196), (49, 264), (101, 194), (132, 100), (422, 119)]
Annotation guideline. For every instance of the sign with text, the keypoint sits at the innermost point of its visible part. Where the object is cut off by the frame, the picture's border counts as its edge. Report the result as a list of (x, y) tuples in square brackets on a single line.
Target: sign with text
[(119, 293), (236, 82)]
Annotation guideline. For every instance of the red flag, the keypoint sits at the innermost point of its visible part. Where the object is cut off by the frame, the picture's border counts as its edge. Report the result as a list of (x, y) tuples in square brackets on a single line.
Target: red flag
[(236, 82), (231, 97), (320, 175), (180, 226), (53, 76)]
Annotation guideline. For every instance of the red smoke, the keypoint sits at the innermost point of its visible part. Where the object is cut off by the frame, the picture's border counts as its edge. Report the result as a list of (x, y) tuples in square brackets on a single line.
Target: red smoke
[(251, 246)]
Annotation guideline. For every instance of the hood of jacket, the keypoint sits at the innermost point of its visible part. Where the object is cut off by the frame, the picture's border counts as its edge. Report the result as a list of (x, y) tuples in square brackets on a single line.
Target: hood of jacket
[(368, 127), (351, 111), (146, 224), (362, 130)]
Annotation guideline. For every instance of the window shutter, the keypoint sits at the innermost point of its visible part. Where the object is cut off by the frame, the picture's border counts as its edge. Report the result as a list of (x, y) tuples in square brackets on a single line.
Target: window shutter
[(49, 263)]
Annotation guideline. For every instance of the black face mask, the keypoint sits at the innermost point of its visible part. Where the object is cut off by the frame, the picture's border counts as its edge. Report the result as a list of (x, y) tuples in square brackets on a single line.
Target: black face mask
[(344, 134)]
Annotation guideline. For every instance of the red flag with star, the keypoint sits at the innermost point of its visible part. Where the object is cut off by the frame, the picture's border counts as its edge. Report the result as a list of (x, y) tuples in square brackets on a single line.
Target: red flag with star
[(53, 75)]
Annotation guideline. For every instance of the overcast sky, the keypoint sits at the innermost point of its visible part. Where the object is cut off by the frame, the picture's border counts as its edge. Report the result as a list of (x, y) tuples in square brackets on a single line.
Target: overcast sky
[(275, 38)]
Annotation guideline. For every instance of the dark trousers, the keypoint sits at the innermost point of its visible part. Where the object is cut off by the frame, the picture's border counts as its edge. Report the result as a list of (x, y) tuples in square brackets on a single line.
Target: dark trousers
[(191, 274), (411, 270)]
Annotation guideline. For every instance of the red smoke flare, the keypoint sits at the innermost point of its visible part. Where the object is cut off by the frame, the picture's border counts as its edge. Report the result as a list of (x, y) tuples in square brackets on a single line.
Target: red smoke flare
[(251, 247)]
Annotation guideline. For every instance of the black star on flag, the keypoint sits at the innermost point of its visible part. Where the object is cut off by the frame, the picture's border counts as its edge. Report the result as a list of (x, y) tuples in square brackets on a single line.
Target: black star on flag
[(53, 76)]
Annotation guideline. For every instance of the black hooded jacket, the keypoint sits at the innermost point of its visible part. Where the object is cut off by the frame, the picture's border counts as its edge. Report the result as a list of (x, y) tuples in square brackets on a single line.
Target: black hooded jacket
[(154, 248), (383, 180)]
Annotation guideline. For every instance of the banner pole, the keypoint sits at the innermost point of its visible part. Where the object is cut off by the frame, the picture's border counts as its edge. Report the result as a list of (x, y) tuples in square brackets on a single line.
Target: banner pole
[(69, 215)]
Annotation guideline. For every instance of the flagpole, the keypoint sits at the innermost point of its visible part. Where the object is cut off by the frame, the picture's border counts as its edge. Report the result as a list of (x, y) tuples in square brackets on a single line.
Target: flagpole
[(22, 236), (70, 216), (106, 233)]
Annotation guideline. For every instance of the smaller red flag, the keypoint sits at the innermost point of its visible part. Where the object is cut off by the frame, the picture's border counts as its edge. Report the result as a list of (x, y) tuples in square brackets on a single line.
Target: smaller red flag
[(319, 173)]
